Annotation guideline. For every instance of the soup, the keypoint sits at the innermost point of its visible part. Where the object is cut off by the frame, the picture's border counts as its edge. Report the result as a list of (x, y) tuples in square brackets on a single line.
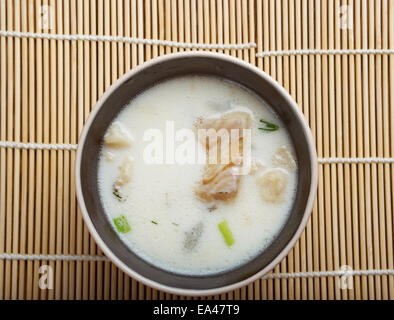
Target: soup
[(176, 202)]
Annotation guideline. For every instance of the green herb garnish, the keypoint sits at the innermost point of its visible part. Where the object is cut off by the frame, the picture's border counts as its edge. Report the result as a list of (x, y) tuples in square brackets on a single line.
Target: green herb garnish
[(121, 224), (117, 194), (269, 126), (175, 224), (226, 232), (154, 222)]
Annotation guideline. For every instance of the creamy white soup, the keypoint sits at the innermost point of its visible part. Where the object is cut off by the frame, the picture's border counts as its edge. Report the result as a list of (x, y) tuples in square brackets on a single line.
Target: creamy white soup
[(178, 209)]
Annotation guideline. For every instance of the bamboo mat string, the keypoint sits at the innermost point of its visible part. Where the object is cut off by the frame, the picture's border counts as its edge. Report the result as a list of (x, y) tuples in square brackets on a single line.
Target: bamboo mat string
[(287, 275), (60, 146), (185, 45), (133, 40)]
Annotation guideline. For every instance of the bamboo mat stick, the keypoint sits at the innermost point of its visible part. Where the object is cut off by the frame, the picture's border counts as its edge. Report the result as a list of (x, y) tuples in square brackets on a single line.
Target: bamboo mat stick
[(380, 148), (331, 197), (206, 16), (213, 21), (238, 26), (360, 131), (58, 95), (3, 152), (366, 253), (379, 182), (373, 210), (337, 181), (391, 82), (388, 42), (342, 138), (349, 138), (127, 33), (187, 22), (320, 284), (327, 292), (10, 135), (24, 154), (39, 139), (200, 22), (47, 195), (232, 27), (140, 17), (181, 22), (358, 213), (245, 30), (313, 254), (148, 27), (73, 138), (259, 31), (52, 79), (167, 23), (32, 136), (17, 155)]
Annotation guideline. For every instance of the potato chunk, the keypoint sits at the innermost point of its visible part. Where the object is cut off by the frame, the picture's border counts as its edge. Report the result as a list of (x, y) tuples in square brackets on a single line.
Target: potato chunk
[(283, 158), (117, 136), (273, 184)]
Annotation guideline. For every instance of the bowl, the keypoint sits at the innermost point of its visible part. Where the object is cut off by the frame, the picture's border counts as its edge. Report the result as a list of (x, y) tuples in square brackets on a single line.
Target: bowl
[(143, 77)]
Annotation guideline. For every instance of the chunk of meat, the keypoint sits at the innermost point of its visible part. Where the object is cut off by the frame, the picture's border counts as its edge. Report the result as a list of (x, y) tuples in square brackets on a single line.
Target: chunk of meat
[(273, 184), (220, 180), (223, 186)]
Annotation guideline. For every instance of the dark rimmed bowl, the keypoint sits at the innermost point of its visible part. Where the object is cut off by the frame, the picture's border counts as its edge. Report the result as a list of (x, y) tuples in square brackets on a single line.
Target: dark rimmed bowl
[(108, 107)]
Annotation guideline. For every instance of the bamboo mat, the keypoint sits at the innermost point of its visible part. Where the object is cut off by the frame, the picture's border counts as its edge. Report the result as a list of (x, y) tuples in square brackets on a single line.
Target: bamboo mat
[(48, 87)]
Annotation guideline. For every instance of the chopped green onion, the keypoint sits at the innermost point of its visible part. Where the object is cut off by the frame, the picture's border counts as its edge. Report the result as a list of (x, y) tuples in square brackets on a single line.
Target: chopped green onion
[(226, 232), (122, 225), (154, 222), (269, 126), (175, 224), (116, 194)]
